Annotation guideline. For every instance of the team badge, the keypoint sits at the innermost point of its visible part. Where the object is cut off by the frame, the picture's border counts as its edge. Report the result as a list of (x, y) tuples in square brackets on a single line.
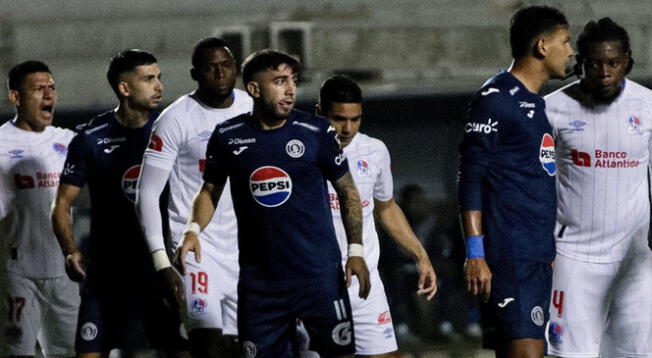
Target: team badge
[(363, 167), (295, 148), (537, 316), (547, 154), (130, 182), (270, 186), (199, 307), (249, 349), (635, 125), (89, 331), (555, 333), (60, 148)]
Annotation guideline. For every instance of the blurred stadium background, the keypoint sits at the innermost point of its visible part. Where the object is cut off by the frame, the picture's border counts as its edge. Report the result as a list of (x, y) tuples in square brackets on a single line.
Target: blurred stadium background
[(418, 61)]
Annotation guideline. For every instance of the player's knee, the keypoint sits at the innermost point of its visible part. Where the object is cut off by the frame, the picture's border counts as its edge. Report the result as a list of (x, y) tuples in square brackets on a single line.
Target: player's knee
[(206, 343)]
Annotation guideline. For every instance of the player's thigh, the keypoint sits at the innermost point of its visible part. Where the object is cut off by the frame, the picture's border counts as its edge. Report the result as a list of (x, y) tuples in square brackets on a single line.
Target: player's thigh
[(517, 306), (629, 333), (266, 322), (579, 306), (203, 293), (61, 306), (325, 310), (22, 316), (228, 286), (372, 320)]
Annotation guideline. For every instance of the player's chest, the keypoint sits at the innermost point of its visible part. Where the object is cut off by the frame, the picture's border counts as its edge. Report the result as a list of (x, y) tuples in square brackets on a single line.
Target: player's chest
[(198, 133), (117, 153), (34, 165)]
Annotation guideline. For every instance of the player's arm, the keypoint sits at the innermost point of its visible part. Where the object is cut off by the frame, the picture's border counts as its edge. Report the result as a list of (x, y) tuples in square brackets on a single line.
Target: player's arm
[(203, 209), (393, 220), (352, 219), (62, 224), (476, 155)]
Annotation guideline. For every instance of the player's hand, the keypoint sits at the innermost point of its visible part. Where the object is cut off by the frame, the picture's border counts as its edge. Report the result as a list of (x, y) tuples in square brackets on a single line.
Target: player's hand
[(173, 288), (190, 242), (356, 265), (74, 266), (478, 277), (427, 279)]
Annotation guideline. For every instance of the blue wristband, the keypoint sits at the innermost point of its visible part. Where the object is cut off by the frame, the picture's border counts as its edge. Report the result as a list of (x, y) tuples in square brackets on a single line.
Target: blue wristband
[(475, 247)]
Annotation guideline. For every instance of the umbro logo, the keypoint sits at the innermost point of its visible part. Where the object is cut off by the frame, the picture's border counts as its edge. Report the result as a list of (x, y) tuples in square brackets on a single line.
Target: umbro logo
[(505, 302), (240, 150)]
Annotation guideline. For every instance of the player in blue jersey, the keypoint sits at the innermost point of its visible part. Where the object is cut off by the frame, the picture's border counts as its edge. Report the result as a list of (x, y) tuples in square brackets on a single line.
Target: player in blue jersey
[(507, 186), (278, 160), (119, 308)]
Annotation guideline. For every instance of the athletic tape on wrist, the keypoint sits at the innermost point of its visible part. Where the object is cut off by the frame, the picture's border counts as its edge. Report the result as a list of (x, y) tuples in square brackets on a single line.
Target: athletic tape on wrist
[(475, 247), (356, 250), (192, 227), (161, 260)]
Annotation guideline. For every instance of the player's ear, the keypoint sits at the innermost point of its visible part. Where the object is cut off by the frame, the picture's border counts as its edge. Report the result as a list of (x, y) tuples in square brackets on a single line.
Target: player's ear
[(253, 89), (14, 97), (318, 110), (123, 88), (540, 47)]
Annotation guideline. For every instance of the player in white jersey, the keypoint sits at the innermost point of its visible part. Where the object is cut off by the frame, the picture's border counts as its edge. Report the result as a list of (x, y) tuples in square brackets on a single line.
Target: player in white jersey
[(42, 301), (602, 124), (177, 152), (369, 162)]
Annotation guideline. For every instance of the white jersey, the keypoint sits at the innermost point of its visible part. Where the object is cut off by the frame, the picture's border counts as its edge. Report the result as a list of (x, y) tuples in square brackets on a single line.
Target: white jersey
[(602, 180), (182, 132), (30, 165), (369, 164)]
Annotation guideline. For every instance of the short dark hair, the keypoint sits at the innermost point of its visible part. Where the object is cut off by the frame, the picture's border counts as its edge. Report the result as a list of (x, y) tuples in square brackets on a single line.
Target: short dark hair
[(125, 61), (340, 89), (18, 73), (530, 22), (203, 44), (604, 30), (267, 59)]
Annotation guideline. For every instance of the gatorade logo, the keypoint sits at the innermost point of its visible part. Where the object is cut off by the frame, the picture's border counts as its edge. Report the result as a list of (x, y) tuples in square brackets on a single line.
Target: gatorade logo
[(270, 186)]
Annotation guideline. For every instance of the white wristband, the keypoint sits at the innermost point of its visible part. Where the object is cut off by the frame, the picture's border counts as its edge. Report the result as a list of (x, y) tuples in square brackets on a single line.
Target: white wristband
[(356, 250), (161, 260), (192, 227)]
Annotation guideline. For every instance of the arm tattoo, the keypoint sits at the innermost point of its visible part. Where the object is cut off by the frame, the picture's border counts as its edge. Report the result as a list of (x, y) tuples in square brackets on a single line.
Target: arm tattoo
[(350, 207)]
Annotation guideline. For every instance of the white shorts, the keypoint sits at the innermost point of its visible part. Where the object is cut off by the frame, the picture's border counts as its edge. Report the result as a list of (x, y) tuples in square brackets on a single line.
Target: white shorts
[(43, 309), (601, 309), (211, 292), (372, 322)]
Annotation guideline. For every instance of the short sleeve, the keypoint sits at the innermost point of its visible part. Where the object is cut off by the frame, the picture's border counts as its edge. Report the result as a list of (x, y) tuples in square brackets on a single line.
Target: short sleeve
[(384, 185), (77, 165), (164, 143), (331, 158), (216, 171)]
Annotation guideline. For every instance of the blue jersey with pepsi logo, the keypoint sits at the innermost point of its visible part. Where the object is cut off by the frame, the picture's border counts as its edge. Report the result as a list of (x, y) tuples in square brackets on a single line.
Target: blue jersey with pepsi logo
[(278, 184), (107, 156), (507, 170)]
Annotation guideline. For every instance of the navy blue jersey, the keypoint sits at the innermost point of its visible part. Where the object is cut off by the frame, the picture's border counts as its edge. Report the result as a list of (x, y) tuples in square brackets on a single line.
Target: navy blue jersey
[(507, 170), (278, 184), (107, 156)]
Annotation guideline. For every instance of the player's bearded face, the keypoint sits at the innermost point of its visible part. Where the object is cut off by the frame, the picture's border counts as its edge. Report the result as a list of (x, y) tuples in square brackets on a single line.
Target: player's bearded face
[(144, 87), (605, 66), (558, 52), (216, 72), (35, 100), (278, 90)]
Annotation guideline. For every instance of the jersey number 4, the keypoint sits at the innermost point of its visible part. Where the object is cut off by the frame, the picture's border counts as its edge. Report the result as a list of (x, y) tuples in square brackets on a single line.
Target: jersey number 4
[(199, 282)]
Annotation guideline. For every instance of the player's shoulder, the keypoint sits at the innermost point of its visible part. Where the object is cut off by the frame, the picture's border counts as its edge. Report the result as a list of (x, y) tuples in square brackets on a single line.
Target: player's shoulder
[(497, 91), (180, 106), (98, 127), (243, 99), (232, 124), (562, 95), (638, 90), (309, 123), (372, 143)]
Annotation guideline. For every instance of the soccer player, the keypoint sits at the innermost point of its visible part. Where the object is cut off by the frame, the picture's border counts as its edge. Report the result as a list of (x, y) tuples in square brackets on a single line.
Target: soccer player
[(507, 186), (278, 160), (177, 152), (340, 101), (118, 296), (603, 273), (42, 301)]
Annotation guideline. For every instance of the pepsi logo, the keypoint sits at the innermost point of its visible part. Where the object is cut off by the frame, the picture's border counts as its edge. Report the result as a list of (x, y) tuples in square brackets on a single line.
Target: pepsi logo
[(130, 182), (270, 186), (547, 154)]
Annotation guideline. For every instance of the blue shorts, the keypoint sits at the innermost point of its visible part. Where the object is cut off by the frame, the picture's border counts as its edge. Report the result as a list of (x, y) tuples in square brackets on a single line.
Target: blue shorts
[(125, 317), (267, 319), (518, 304)]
